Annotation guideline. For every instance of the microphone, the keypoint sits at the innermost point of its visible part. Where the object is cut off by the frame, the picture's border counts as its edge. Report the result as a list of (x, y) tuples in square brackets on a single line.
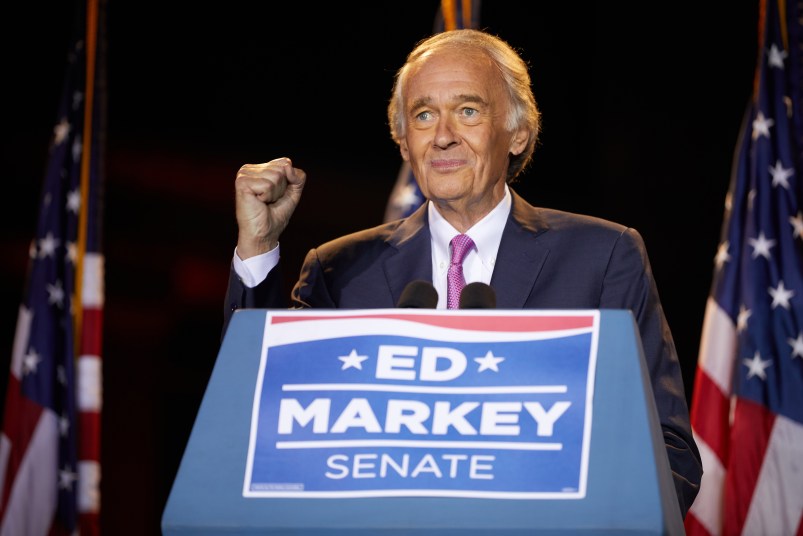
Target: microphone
[(418, 294), (478, 295)]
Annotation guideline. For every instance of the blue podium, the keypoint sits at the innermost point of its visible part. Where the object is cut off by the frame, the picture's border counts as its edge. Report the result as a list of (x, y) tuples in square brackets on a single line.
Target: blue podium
[(412, 427)]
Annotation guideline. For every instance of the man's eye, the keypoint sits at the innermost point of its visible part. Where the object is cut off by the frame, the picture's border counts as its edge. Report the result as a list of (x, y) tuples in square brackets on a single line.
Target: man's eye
[(470, 112), (424, 116)]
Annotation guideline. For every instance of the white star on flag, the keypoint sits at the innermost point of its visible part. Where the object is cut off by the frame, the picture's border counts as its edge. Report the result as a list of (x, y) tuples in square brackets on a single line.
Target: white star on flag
[(722, 255), (741, 320), (780, 175), (55, 294), (30, 361), (74, 201), (776, 56), (72, 252), (797, 346), (781, 296), (48, 245), (61, 375), (761, 245), (61, 130), (64, 425), (489, 362), (797, 224), (757, 366), (67, 478), (408, 197), (77, 99), (77, 147), (761, 126), (353, 360)]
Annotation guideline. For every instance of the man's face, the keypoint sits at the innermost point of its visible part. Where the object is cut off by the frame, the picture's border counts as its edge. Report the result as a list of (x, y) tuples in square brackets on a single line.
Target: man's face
[(455, 106)]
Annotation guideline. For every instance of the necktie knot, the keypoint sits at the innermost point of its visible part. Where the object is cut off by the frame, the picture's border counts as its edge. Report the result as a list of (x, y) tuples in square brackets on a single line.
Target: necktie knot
[(461, 245)]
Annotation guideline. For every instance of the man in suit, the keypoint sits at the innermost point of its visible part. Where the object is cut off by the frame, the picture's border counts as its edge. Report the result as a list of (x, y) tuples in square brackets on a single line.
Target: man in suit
[(464, 116)]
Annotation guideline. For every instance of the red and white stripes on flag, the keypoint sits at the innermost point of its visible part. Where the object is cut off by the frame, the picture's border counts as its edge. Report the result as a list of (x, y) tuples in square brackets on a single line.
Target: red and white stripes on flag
[(747, 404), (50, 440), (89, 393)]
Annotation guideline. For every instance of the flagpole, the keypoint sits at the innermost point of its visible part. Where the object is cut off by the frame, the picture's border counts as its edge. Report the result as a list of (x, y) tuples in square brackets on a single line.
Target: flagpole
[(91, 47)]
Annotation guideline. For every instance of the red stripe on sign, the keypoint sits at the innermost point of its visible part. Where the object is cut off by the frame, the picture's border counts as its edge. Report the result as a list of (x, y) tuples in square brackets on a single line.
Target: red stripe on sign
[(752, 425), (20, 420), (481, 323), (709, 414)]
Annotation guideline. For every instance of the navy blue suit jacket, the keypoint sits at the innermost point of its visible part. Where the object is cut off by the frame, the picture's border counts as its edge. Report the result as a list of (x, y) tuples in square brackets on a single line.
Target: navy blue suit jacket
[(547, 259)]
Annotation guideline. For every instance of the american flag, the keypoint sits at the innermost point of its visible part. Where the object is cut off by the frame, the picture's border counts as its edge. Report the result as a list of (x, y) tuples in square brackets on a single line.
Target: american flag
[(50, 441), (406, 196), (747, 404)]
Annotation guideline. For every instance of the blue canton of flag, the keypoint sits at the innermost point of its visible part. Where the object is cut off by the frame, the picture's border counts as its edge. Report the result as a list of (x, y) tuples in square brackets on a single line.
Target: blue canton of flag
[(406, 196), (747, 409)]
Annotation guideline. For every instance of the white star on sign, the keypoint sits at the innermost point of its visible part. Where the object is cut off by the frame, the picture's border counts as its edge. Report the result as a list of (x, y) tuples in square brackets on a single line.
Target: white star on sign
[(352, 360), (757, 366), (489, 362)]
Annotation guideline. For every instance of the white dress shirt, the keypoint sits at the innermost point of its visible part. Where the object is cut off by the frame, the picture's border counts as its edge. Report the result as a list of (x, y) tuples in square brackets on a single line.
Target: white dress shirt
[(477, 266)]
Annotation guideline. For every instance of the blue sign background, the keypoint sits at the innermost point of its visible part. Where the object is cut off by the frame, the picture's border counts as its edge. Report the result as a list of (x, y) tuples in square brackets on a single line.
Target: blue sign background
[(509, 465)]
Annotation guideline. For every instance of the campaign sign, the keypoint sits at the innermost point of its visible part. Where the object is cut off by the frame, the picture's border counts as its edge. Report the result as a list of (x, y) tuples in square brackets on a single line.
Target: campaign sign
[(425, 403)]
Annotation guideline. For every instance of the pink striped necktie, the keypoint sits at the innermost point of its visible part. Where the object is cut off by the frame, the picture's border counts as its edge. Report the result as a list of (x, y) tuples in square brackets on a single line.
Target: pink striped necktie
[(461, 245)]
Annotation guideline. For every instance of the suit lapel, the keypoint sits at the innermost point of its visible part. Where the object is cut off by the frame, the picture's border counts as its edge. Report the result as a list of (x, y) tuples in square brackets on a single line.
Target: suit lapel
[(413, 258), (518, 261), (520, 258)]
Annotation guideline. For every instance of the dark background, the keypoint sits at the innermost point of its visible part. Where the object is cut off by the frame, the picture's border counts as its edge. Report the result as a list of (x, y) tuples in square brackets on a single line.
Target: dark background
[(641, 106)]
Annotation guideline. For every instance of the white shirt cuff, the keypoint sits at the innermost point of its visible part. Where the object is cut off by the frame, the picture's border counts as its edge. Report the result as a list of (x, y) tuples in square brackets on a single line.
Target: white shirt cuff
[(254, 270)]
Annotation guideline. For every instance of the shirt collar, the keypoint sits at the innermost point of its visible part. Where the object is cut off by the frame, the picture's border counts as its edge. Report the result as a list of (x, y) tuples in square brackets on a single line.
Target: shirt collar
[(486, 233)]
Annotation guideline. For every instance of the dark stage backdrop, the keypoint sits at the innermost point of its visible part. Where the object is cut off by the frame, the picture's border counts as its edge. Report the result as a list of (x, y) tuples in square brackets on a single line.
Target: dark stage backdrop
[(641, 102)]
